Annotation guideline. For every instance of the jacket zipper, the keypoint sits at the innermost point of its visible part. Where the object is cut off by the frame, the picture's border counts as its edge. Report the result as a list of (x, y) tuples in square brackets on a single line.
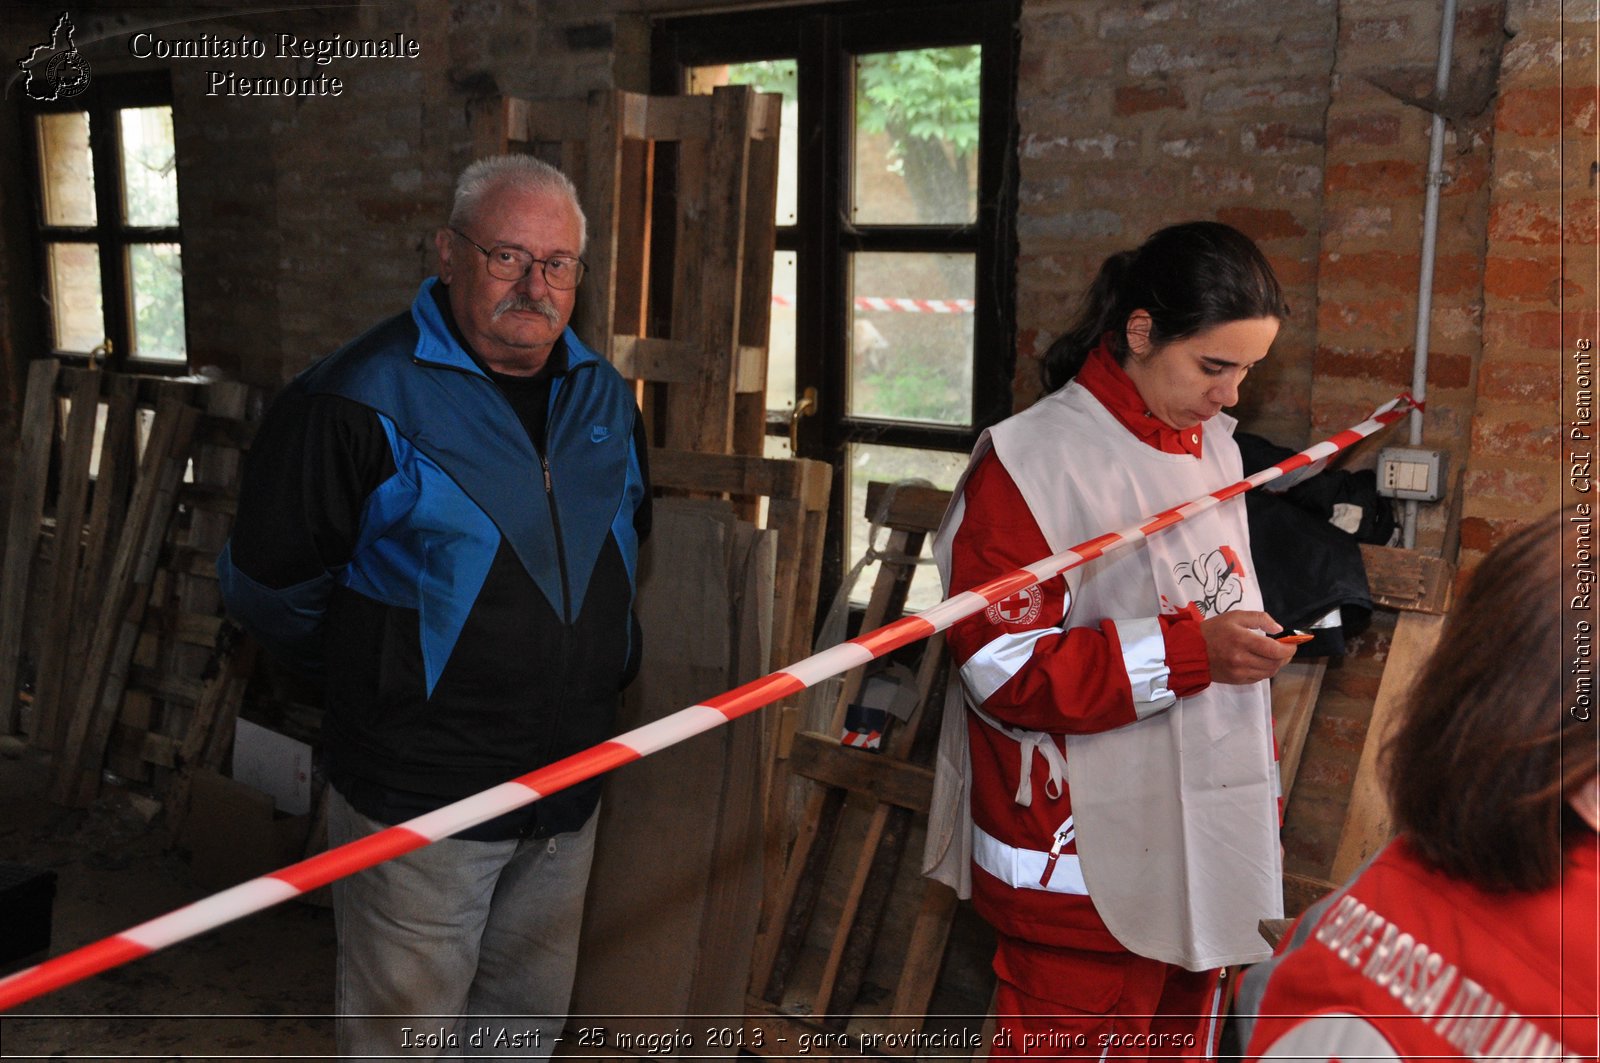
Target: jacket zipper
[(1064, 834)]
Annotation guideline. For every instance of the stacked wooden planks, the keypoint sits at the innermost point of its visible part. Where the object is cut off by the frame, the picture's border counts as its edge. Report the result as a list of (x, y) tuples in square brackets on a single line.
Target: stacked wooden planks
[(110, 604)]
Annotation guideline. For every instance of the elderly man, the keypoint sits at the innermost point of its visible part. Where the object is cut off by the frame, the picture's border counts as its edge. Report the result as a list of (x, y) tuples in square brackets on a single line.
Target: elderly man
[(442, 519)]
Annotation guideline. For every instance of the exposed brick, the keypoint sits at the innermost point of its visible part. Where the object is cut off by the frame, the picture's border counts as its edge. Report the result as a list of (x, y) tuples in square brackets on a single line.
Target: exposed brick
[(1355, 222), (1296, 273), (1482, 534), (1514, 488), (1447, 371), (1138, 99), (1524, 222), (1520, 382), (1382, 179), (1542, 111), (1152, 184), (1071, 225), (1544, 55), (1523, 329), (1515, 439), (1265, 95), (1366, 130), (1104, 145), (1275, 138), (1523, 279), (1452, 273), (1121, 22), (1263, 223), (1582, 217), (1370, 31), (1390, 367), (1051, 68), (1299, 182), (1368, 316), (1222, 181), (1194, 143)]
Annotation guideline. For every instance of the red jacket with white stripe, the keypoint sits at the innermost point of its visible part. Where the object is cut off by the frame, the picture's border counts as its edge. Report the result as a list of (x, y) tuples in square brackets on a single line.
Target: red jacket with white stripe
[(1410, 963), (1036, 674)]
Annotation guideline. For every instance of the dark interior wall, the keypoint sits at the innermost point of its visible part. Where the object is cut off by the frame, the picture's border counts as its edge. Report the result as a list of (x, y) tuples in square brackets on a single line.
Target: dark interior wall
[(308, 217), (1304, 122)]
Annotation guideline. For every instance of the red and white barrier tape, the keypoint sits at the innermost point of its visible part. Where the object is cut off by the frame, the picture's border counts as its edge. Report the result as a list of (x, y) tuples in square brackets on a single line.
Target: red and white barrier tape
[(307, 875), (914, 306)]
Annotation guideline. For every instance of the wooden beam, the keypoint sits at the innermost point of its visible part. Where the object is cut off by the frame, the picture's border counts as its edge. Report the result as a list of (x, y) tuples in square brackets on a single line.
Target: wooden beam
[(77, 769), (1407, 579), (675, 118), (76, 453), (913, 509), (1294, 701), (1302, 891), (1367, 823), (823, 759), (22, 530)]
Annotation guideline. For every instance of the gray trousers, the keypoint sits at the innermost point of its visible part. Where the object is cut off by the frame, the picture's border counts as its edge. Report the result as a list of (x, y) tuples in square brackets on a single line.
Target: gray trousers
[(460, 948)]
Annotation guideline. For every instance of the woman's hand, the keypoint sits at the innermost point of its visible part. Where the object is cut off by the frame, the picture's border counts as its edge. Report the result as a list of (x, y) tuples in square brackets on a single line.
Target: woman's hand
[(1237, 649)]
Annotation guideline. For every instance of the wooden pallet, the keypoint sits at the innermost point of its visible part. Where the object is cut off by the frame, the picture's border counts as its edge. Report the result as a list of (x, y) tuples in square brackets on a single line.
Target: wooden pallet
[(110, 598), (704, 380)]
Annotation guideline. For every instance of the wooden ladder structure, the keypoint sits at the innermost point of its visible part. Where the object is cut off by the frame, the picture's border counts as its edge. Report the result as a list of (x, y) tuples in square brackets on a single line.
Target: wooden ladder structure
[(824, 932)]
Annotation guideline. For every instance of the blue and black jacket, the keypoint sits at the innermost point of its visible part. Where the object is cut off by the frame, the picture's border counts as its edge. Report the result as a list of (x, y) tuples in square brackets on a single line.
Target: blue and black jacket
[(456, 563)]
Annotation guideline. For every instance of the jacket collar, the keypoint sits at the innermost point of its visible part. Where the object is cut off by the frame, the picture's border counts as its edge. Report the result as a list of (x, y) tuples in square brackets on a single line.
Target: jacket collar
[(1107, 381)]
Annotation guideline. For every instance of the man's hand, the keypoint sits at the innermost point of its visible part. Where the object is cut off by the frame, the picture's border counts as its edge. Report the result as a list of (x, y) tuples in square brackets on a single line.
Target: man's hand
[(1237, 649)]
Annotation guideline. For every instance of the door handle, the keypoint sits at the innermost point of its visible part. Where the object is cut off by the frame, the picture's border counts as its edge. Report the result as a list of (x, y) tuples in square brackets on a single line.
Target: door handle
[(805, 407)]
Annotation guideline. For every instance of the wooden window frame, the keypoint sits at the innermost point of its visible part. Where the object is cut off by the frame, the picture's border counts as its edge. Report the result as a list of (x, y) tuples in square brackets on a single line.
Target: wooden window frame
[(823, 39), (111, 234)]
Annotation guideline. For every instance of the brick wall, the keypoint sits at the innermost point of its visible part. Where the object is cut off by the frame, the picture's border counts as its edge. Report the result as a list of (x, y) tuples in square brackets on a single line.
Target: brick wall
[(1374, 184), (1137, 116), (1541, 208)]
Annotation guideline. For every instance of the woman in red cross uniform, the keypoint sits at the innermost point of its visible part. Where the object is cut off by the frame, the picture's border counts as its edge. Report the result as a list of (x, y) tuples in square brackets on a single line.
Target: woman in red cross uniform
[(1118, 764), (1473, 934)]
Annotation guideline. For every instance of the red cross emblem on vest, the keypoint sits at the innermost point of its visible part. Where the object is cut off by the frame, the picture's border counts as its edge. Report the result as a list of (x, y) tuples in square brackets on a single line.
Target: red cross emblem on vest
[(1021, 608)]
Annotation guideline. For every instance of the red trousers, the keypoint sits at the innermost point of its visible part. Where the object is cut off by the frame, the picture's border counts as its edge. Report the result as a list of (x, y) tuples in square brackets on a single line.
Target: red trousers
[(1060, 1003)]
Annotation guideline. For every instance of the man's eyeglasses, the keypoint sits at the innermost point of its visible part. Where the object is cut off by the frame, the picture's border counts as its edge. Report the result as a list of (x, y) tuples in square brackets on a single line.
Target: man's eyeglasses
[(508, 263)]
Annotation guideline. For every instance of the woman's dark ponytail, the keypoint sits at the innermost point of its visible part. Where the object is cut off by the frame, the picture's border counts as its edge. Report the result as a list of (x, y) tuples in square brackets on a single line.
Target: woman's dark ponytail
[(1187, 277), (1097, 315)]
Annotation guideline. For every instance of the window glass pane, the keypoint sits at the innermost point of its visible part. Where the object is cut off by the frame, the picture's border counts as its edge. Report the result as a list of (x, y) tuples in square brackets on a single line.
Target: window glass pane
[(149, 167), (911, 337), (780, 334), (874, 461), (916, 137), (156, 274), (75, 300), (768, 75), (67, 169)]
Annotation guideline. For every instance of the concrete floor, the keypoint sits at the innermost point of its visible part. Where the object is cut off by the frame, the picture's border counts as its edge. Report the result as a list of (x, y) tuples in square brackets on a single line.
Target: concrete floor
[(260, 987)]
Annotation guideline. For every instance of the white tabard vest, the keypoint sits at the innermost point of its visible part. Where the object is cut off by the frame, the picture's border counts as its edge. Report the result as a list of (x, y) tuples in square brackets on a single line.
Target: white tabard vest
[(1176, 814)]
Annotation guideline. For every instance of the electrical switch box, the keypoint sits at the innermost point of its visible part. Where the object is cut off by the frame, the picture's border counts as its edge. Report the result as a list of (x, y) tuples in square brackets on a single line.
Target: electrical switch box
[(1412, 473)]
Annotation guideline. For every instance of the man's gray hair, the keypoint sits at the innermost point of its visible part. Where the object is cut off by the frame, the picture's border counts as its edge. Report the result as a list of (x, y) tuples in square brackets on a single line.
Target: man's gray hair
[(522, 172)]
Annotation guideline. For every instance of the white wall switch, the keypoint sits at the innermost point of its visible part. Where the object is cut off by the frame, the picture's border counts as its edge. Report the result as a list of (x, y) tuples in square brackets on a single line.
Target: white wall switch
[(1411, 472)]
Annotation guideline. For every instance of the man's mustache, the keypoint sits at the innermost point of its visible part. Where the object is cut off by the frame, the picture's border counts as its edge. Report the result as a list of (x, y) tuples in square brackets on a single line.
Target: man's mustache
[(516, 301)]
